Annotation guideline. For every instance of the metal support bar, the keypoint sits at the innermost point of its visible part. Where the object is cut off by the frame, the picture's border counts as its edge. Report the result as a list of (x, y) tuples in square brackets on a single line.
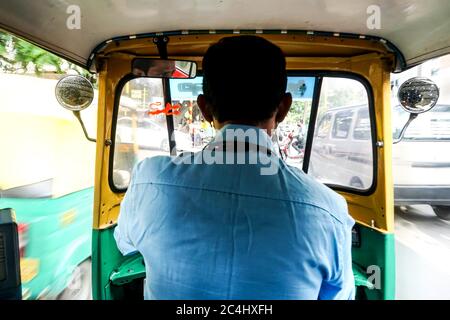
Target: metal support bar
[(161, 43), (312, 123)]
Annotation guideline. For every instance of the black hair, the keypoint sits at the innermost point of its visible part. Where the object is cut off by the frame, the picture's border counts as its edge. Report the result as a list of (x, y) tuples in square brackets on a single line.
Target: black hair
[(143, 64), (244, 79)]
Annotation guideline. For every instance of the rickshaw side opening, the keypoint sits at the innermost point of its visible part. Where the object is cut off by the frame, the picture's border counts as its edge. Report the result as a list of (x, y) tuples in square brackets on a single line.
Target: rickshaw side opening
[(368, 60)]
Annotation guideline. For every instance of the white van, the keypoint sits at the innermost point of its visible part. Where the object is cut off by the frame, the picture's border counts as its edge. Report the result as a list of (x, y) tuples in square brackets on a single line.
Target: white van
[(343, 140), (421, 160)]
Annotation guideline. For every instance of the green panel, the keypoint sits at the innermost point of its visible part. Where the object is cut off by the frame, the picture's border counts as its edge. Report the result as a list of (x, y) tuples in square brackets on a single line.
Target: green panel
[(105, 259), (376, 249), (132, 268), (115, 277), (58, 244), (361, 278)]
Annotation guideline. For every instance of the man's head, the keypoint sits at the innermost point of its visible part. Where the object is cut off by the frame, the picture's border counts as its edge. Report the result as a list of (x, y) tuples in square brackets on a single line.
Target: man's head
[(154, 68), (244, 81)]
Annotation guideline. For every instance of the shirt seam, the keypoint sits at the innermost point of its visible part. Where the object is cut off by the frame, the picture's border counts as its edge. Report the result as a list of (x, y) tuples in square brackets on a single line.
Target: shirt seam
[(242, 194)]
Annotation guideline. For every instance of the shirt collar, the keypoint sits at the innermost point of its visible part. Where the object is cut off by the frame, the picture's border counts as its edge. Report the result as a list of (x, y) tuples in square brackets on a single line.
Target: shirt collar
[(244, 133)]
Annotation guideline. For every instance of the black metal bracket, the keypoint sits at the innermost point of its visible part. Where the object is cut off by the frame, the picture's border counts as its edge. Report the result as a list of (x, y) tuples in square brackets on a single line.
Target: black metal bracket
[(312, 122), (161, 43)]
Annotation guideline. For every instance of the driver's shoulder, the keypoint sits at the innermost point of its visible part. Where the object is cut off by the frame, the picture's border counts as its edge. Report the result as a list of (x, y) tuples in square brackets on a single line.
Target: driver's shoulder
[(317, 194)]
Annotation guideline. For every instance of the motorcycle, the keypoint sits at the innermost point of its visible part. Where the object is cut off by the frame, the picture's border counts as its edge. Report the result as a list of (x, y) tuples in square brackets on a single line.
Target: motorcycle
[(291, 147)]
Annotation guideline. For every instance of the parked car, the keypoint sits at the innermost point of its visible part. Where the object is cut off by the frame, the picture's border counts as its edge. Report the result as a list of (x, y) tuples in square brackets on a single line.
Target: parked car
[(421, 161), (148, 134)]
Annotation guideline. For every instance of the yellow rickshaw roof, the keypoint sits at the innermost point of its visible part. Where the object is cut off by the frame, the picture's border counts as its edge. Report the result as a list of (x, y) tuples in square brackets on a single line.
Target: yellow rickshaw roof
[(415, 30)]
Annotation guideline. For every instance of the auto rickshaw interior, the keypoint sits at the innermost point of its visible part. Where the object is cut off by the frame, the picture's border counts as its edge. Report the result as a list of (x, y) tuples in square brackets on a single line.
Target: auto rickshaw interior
[(340, 85)]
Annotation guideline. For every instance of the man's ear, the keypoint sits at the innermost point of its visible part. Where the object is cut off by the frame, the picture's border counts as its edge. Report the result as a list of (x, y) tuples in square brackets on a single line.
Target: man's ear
[(284, 107), (201, 102)]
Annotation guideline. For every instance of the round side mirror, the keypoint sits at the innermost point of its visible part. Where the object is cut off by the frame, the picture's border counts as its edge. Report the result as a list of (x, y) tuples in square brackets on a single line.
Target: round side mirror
[(418, 95), (74, 93)]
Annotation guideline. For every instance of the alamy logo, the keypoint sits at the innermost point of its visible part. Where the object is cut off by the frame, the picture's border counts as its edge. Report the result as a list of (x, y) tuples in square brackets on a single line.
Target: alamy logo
[(374, 19), (237, 146), (73, 21), (374, 276)]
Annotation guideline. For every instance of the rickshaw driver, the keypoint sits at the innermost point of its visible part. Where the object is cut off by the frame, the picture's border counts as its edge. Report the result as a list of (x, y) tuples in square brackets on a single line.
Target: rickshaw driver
[(154, 68), (224, 231)]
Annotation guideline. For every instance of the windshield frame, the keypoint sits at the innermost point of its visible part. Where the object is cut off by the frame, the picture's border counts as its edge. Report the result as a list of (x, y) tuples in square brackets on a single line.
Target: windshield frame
[(318, 75)]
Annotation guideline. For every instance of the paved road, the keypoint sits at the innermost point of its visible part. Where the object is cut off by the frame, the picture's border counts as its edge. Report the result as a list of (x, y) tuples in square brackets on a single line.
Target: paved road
[(423, 254)]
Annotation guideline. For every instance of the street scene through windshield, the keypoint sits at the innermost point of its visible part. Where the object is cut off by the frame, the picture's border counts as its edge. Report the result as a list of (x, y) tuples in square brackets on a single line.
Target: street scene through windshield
[(119, 179)]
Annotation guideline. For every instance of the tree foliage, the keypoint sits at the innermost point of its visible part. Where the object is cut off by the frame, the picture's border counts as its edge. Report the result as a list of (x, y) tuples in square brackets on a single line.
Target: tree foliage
[(26, 54), (19, 56), (299, 112)]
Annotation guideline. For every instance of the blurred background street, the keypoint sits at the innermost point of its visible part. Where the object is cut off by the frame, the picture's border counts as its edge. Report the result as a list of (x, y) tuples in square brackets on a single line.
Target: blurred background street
[(423, 254)]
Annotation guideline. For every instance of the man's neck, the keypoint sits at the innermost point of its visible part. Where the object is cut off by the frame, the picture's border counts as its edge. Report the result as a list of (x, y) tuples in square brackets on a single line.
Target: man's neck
[(265, 125)]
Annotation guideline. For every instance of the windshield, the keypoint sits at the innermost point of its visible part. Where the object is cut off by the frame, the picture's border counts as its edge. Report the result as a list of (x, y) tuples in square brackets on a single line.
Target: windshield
[(340, 152)]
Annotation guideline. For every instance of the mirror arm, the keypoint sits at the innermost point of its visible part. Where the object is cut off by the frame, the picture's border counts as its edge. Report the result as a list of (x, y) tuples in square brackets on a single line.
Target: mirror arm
[(412, 116), (78, 116)]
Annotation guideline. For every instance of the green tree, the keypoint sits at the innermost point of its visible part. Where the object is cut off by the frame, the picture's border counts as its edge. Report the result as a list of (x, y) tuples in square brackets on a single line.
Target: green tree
[(5, 62), (17, 55), (26, 53), (299, 112), (3, 44)]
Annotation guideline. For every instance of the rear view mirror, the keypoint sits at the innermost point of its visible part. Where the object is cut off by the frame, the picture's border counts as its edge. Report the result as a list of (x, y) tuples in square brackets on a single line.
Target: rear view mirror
[(74, 93), (161, 68), (418, 95), (10, 283)]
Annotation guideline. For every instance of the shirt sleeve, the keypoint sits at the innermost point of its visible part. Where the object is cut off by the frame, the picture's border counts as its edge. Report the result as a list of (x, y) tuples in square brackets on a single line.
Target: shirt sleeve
[(121, 232), (342, 284)]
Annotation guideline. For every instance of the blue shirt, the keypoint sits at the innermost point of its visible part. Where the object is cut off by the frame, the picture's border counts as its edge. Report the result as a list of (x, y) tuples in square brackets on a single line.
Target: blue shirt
[(261, 230)]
